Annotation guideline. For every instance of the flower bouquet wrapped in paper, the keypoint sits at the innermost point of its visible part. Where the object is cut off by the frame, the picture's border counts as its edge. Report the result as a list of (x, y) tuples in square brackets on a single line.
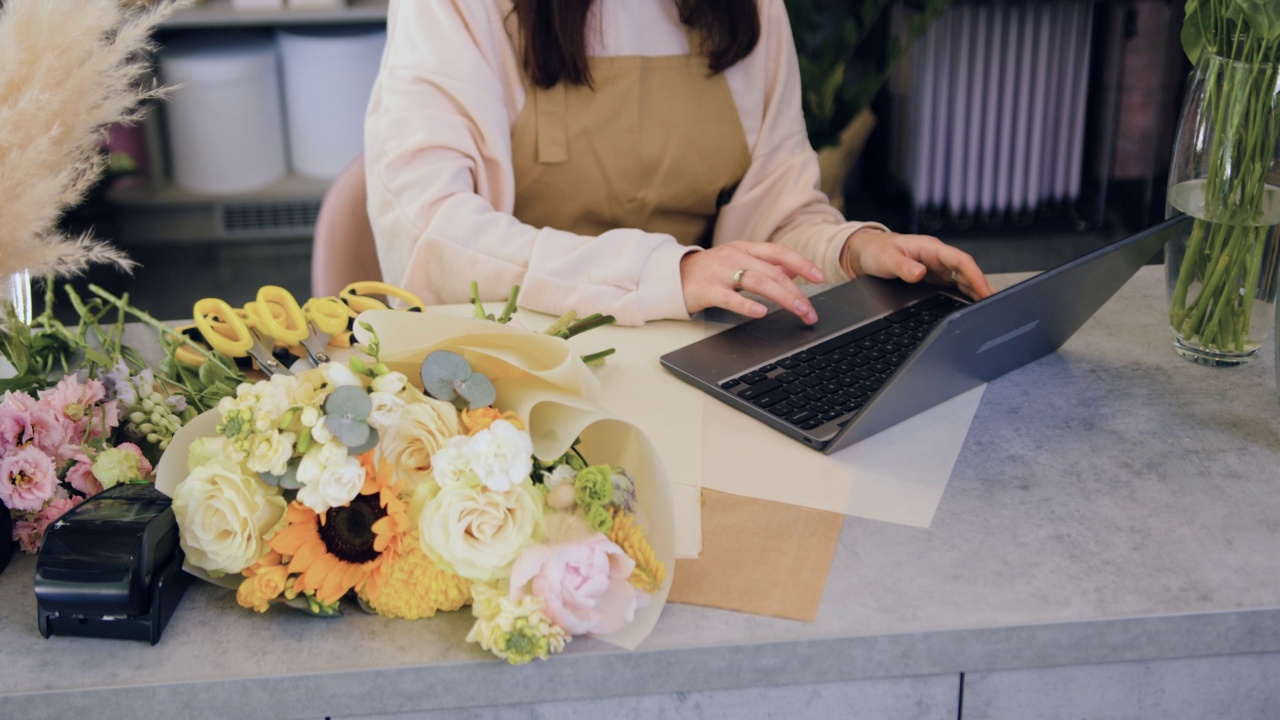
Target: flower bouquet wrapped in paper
[(472, 466)]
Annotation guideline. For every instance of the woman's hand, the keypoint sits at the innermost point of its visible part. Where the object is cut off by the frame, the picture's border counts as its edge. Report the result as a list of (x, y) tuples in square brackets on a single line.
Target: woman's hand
[(716, 278), (914, 258)]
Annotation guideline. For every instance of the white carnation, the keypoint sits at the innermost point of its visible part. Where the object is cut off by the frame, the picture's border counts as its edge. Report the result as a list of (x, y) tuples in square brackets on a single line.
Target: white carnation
[(501, 455), (329, 476)]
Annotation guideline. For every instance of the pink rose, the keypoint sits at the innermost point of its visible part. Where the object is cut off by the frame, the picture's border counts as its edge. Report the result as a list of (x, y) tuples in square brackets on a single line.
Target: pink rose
[(584, 586), (27, 479)]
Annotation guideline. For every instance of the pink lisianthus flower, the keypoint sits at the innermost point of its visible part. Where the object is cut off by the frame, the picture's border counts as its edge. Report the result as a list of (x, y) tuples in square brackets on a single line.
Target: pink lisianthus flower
[(80, 476), (28, 479), (53, 434), (30, 532), (15, 428), (584, 586), (71, 398)]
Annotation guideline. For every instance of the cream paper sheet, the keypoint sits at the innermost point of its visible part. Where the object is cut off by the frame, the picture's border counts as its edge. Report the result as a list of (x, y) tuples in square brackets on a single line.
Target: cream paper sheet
[(896, 476)]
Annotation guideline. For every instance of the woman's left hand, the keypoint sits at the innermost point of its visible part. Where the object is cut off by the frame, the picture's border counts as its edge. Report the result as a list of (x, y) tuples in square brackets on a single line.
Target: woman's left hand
[(914, 258)]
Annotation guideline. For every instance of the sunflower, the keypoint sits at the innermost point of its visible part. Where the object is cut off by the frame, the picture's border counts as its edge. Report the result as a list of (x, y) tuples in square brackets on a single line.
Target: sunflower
[(345, 548)]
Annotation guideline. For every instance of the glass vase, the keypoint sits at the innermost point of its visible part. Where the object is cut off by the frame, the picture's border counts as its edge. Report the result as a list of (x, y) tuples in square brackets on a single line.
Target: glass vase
[(15, 296), (1225, 172)]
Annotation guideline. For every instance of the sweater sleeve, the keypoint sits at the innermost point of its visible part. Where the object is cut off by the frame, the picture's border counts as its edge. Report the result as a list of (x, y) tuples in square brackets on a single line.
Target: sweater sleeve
[(779, 199), (441, 184)]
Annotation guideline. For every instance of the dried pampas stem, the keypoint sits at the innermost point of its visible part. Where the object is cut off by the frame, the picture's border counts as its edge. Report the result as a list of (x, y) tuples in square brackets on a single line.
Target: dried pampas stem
[(68, 70)]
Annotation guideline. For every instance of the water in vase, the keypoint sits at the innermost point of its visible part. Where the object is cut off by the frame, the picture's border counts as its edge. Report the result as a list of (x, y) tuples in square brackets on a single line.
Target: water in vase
[(1221, 277)]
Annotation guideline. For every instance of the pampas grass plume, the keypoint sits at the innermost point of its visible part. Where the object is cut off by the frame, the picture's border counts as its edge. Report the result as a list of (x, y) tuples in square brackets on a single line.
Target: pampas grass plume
[(69, 69)]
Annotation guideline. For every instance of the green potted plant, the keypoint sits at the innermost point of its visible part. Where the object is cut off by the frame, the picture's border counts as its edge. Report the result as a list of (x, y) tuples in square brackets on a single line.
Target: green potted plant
[(844, 61)]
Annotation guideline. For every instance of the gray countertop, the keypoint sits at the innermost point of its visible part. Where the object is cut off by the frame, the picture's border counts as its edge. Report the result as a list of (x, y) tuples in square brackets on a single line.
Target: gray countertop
[(1112, 502)]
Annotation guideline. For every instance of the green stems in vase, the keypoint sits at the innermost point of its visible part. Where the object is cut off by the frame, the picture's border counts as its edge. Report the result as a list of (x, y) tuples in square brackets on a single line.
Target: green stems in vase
[(1222, 275)]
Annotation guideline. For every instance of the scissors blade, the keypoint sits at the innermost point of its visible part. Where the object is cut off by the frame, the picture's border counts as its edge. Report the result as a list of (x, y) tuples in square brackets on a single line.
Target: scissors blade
[(261, 353), (314, 344)]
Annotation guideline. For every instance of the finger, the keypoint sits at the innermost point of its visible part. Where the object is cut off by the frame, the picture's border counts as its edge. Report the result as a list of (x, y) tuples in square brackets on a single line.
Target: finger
[(771, 284), (790, 262)]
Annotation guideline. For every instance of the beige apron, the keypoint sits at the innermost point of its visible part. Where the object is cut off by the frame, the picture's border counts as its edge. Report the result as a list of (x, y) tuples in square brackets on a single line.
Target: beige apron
[(656, 144)]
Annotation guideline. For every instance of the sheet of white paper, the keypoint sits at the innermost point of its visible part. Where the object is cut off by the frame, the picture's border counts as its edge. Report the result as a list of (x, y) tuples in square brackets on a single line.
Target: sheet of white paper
[(893, 477)]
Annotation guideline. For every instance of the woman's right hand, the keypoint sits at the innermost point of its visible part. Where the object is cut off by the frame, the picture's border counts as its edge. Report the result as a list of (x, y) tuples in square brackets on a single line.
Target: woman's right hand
[(762, 268)]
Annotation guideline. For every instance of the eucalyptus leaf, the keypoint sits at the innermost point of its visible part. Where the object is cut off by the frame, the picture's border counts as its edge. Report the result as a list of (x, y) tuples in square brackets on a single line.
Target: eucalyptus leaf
[(346, 410), (477, 390), (370, 442), (441, 371)]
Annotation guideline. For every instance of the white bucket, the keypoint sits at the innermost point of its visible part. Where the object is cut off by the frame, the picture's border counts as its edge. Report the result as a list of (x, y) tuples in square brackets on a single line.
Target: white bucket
[(328, 74), (224, 119)]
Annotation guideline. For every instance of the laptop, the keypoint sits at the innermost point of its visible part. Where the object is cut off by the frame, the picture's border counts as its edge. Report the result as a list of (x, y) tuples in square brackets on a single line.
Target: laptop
[(883, 351)]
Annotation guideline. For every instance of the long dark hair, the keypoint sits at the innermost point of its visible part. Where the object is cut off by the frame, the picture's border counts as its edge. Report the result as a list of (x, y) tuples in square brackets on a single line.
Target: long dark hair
[(553, 42)]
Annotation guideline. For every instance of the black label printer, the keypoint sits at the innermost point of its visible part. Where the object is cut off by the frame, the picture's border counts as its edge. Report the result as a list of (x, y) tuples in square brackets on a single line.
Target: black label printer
[(111, 567)]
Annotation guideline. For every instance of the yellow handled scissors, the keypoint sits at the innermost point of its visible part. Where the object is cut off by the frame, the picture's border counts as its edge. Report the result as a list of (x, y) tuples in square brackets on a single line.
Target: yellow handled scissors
[(304, 329), (226, 331), (357, 296)]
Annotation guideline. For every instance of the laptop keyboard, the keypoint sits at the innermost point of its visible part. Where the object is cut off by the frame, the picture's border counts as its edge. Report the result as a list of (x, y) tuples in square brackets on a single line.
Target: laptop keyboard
[(832, 380)]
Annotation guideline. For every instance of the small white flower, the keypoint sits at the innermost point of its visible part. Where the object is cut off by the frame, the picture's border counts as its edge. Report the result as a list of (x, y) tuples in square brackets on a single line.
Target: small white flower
[(309, 416), (450, 465), (390, 382), (336, 485), (501, 455), (560, 475), (269, 452), (320, 432), (337, 375), (318, 457)]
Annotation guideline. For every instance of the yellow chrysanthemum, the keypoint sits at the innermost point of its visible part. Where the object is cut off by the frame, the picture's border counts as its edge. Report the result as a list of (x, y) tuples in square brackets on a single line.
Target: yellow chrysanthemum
[(476, 419), (649, 573), (413, 586)]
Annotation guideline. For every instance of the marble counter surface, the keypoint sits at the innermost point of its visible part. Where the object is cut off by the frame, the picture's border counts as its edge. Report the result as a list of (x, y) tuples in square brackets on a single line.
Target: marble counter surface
[(1112, 502)]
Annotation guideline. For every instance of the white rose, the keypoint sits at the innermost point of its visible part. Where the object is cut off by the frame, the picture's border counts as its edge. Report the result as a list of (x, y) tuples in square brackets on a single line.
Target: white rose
[(501, 455), (329, 476), (269, 452), (478, 532), (386, 409), (203, 449), (390, 382), (223, 514), (424, 427)]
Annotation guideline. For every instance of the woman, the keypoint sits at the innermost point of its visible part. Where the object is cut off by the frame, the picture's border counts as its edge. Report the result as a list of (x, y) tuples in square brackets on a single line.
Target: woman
[(588, 150)]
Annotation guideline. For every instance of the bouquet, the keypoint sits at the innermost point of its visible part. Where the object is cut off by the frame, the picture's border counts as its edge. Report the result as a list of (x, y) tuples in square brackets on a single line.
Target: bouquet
[(475, 470)]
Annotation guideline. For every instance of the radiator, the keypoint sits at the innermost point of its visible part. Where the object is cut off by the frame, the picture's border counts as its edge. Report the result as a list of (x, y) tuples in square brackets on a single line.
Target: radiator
[(991, 105)]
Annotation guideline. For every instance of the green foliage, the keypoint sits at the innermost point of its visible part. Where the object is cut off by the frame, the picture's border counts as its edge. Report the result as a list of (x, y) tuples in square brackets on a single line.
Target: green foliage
[(346, 412), (447, 376), (1246, 30), (842, 66)]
